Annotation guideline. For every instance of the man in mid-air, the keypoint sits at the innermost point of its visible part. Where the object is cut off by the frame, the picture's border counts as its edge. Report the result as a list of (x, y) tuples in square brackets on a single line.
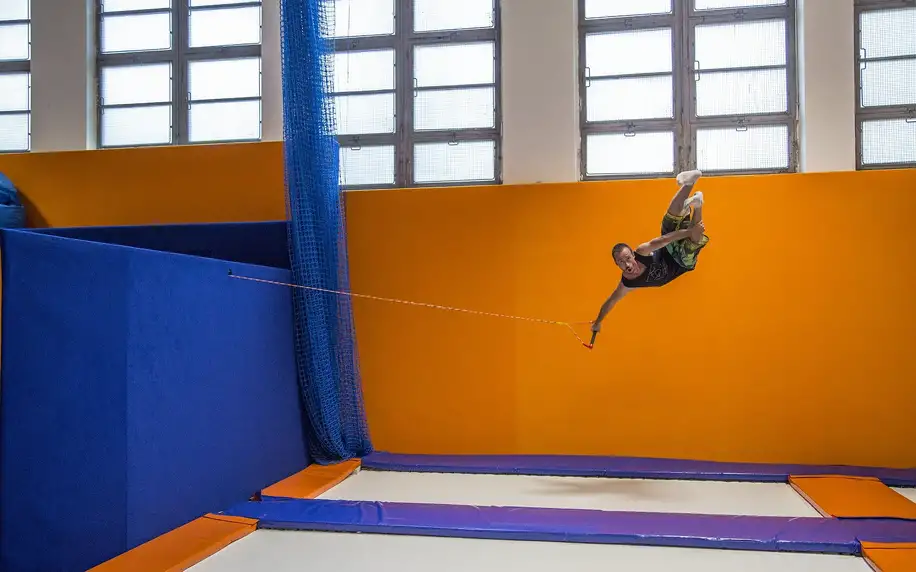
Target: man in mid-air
[(661, 260)]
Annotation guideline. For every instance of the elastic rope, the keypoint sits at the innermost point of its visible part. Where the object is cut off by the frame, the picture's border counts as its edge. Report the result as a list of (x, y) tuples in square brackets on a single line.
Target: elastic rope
[(568, 325)]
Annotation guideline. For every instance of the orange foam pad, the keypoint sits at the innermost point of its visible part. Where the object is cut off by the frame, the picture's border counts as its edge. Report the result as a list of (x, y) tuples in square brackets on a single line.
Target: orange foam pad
[(853, 497), (313, 481), (890, 557), (183, 547)]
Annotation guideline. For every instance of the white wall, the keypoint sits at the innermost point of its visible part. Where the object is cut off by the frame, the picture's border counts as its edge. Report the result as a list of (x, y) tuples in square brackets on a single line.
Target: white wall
[(271, 82), (540, 95), (63, 68), (539, 83), (826, 58)]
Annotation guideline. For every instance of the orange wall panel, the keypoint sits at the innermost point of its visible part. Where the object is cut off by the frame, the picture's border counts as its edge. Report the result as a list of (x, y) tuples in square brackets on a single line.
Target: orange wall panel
[(790, 343), (199, 183), (452, 375)]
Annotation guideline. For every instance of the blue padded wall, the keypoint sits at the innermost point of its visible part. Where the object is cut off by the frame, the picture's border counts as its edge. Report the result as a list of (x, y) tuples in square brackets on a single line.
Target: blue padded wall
[(262, 243), (213, 389), (63, 420), (140, 390)]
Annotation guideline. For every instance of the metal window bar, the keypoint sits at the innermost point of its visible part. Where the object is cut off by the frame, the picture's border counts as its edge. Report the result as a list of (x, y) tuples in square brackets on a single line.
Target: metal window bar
[(28, 145), (27, 113), (631, 127), (450, 136), (683, 20), (789, 118), (905, 112), (18, 67), (405, 137), (357, 141), (179, 55)]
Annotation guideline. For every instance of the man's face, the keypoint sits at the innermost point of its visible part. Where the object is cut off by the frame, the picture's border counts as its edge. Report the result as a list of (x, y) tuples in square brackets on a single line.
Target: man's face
[(626, 261)]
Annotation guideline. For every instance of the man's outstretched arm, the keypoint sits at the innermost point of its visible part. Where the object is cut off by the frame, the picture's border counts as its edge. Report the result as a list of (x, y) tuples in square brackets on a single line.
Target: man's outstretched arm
[(608, 305), (648, 248)]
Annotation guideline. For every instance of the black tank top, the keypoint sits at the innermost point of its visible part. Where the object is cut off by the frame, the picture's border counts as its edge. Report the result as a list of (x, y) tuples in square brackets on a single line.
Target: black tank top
[(661, 268)]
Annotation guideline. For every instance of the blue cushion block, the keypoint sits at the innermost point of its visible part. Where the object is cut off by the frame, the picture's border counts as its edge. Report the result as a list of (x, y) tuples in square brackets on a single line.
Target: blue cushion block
[(762, 533), (141, 389)]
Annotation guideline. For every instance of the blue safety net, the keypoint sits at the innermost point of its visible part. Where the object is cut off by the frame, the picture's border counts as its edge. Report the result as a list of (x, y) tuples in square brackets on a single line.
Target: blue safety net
[(326, 354)]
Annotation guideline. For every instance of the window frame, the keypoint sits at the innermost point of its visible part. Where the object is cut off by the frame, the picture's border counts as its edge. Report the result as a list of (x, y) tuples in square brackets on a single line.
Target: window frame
[(683, 21), (180, 56), (403, 42), (11, 67), (863, 114)]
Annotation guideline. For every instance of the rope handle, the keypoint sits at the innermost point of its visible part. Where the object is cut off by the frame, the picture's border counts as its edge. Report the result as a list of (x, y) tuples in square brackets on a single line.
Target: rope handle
[(569, 325)]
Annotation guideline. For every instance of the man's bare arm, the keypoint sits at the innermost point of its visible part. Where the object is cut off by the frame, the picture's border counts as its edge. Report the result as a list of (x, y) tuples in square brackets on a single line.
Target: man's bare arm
[(648, 248), (608, 305)]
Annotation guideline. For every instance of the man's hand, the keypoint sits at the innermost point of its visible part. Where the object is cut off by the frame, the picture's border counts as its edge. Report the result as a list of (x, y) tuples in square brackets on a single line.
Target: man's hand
[(697, 232), (596, 326)]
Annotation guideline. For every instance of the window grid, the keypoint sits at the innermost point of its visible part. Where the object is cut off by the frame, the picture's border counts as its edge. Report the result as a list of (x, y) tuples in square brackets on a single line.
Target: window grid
[(685, 127), (181, 55), (15, 112), (885, 130), (410, 143)]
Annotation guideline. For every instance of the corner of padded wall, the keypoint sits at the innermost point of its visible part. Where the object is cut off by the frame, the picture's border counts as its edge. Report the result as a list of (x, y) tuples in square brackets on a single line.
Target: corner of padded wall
[(313, 481)]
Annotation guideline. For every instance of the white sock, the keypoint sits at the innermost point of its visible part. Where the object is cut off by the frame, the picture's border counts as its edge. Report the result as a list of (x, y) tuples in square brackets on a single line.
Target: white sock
[(694, 201), (688, 177)]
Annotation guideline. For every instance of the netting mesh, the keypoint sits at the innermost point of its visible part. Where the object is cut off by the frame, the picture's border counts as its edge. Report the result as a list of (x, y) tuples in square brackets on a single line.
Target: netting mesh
[(327, 360)]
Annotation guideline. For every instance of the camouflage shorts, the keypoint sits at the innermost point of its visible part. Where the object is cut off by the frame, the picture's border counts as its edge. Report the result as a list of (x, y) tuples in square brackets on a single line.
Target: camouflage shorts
[(684, 251)]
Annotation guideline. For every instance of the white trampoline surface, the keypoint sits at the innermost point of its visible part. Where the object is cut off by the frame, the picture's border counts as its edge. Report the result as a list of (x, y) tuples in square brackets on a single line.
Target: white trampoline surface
[(636, 495), (290, 551), (908, 493)]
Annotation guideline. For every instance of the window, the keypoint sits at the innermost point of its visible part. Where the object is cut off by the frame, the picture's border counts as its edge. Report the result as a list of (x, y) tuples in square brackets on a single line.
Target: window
[(15, 76), (416, 92), (667, 86), (179, 71), (886, 109)]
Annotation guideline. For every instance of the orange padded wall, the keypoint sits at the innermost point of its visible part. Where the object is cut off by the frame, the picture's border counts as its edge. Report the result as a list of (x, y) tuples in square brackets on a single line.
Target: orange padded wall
[(199, 183), (791, 342)]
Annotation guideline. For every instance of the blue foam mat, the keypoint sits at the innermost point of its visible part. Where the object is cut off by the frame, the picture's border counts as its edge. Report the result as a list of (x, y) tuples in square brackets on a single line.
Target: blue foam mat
[(625, 467), (762, 533)]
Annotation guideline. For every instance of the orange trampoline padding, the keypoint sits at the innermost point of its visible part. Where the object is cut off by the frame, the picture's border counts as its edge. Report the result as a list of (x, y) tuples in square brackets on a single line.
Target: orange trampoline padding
[(183, 547), (890, 557), (314, 481), (853, 497)]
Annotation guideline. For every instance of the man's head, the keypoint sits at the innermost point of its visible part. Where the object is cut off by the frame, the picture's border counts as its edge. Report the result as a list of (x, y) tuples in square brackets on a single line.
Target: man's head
[(624, 258)]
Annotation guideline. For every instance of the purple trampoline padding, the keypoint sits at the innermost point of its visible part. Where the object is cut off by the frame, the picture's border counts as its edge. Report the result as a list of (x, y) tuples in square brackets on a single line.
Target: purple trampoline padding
[(624, 467), (584, 526)]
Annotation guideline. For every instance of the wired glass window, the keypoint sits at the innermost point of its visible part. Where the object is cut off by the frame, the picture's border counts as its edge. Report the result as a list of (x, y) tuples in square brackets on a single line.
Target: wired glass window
[(15, 76), (416, 91), (886, 109), (179, 71), (669, 85)]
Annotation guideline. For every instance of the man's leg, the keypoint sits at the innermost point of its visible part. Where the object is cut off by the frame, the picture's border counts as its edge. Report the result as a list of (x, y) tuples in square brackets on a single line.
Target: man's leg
[(691, 248), (697, 217), (679, 216), (686, 180)]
